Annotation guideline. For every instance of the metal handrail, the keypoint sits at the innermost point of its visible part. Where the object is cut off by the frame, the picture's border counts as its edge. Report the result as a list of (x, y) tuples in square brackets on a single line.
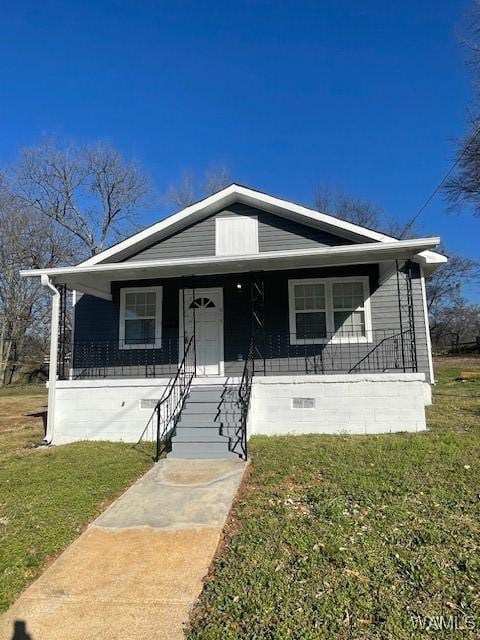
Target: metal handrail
[(244, 393), (169, 407), (393, 338)]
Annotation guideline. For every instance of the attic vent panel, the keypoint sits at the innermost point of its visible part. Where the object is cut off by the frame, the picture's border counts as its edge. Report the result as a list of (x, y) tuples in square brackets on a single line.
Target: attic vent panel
[(236, 236), (303, 403)]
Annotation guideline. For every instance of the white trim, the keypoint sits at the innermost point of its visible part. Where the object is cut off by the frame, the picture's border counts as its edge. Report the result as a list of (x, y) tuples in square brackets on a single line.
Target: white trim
[(52, 367), (106, 383), (94, 291), (427, 326), (238, 193), (158, 318), (329, 311), (369, 252), (72, 336), (204, 291), (351, 378), (252, 230)]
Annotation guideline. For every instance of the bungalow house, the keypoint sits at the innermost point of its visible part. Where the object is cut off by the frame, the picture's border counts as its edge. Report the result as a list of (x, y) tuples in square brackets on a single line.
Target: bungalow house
[(241, 314)]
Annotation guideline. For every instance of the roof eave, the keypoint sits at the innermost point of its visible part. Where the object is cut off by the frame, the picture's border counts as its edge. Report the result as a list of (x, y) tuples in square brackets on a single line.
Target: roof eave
[(228, 195)]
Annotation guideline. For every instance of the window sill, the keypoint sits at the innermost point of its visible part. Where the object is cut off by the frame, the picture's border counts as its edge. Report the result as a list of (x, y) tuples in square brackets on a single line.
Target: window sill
[(339, 340), (129, 347)]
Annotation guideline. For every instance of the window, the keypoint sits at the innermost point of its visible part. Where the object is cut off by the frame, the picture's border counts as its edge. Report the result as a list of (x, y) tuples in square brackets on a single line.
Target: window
[(140, 317), (310, 310), (329, 309), (236, 236)]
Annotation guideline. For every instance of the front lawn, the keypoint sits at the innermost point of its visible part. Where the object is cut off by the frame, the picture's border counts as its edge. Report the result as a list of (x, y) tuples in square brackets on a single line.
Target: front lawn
[(47, 496), (356, 537)]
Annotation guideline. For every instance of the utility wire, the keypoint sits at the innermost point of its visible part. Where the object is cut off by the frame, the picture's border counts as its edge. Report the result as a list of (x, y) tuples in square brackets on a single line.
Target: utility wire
[(410, 224)]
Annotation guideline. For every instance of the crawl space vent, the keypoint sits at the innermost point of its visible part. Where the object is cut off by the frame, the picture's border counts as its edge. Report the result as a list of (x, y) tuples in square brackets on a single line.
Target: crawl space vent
[(148, 403), (303, 403)]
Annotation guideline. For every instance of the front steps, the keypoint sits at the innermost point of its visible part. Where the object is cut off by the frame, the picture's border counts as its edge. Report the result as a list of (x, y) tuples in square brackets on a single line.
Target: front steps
[(198, 433)]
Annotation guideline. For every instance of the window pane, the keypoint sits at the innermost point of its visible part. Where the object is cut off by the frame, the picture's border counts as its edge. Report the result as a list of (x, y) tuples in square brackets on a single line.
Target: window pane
[(347, 295), (311, 325), (349, 323), (140, 305), (309, 297), (140, 331)]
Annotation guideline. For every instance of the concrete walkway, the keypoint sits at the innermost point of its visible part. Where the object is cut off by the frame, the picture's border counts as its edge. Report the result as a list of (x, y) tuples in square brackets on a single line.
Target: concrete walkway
[(137, 570)]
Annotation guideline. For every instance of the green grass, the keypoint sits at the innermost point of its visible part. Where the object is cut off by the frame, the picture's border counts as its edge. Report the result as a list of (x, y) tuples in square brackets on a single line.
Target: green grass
[(47, 496), (349, 537)]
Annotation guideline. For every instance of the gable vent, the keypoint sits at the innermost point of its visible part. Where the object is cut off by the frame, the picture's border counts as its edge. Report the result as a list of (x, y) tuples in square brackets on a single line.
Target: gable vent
[(236, 236), (148, 403), (303, 403)]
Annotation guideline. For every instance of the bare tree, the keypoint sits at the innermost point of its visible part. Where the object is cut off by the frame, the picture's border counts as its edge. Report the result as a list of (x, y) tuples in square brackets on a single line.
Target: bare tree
[(26, 241), (188, 190), (91, 191), (445, 285), (182, 194), (456, 324), (340, 204), (463, 188)]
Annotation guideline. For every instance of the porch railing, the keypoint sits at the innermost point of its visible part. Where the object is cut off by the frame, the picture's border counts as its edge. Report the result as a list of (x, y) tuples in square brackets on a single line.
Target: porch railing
[(378, 351), (161, 426), (381, 350), (244, 393), (170, 405), (232, 411)]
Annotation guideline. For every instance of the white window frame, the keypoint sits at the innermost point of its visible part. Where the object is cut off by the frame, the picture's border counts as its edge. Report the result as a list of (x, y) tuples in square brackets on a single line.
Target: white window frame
[(251, 219), (329, 311), (158, 317)]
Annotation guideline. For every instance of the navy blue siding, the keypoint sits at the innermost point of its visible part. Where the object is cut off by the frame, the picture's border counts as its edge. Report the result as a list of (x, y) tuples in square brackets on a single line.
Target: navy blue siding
[(97, 320)]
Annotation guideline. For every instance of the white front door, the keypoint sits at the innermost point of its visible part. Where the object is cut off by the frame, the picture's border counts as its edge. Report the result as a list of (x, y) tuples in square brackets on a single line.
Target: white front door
[(203, 315)]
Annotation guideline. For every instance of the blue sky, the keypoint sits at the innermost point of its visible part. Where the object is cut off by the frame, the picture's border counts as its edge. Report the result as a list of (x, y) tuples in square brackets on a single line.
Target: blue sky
[(365, 95)]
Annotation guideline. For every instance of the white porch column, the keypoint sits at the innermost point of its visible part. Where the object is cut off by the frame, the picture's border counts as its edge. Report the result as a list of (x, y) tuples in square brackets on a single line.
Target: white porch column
[(52, 370)]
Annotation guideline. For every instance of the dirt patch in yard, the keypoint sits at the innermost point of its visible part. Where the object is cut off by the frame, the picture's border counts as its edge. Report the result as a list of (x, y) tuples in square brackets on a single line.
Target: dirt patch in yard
[(15, 403)]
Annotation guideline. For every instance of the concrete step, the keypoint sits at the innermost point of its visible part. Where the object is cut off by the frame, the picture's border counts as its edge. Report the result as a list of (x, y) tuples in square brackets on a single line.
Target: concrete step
[(203, 450), (204, 390), (196, 434), (197, 407), (200, 435), (198, 420)]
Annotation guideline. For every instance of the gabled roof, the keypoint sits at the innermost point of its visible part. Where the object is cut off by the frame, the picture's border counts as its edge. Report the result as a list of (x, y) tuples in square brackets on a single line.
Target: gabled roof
[(235, 193)]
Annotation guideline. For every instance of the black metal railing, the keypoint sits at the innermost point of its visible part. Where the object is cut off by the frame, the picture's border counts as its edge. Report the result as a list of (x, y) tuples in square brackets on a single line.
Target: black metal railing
[(122, 359), (244, 394), (380, 350), (162, 423), (232, 411)]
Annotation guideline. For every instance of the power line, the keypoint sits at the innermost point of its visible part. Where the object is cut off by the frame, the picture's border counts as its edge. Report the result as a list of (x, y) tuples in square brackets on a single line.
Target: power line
[(441, 183)]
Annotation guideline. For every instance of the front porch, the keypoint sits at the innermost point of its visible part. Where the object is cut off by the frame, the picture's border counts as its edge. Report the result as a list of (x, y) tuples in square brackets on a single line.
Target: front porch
[(228, 315), (312, 343)]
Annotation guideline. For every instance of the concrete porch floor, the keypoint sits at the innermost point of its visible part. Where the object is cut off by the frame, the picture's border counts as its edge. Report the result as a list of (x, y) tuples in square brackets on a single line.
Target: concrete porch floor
[(137, 570)]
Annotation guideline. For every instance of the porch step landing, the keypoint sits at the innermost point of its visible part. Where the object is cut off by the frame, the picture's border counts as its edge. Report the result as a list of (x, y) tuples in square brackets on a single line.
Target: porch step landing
[(198, 433)]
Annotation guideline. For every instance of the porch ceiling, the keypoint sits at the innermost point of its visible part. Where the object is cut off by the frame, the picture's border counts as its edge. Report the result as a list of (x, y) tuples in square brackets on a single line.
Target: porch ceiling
[(96, 279)]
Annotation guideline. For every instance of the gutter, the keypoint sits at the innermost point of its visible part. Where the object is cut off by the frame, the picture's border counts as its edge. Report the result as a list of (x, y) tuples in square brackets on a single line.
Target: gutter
[(390, 250), (52, 369)]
